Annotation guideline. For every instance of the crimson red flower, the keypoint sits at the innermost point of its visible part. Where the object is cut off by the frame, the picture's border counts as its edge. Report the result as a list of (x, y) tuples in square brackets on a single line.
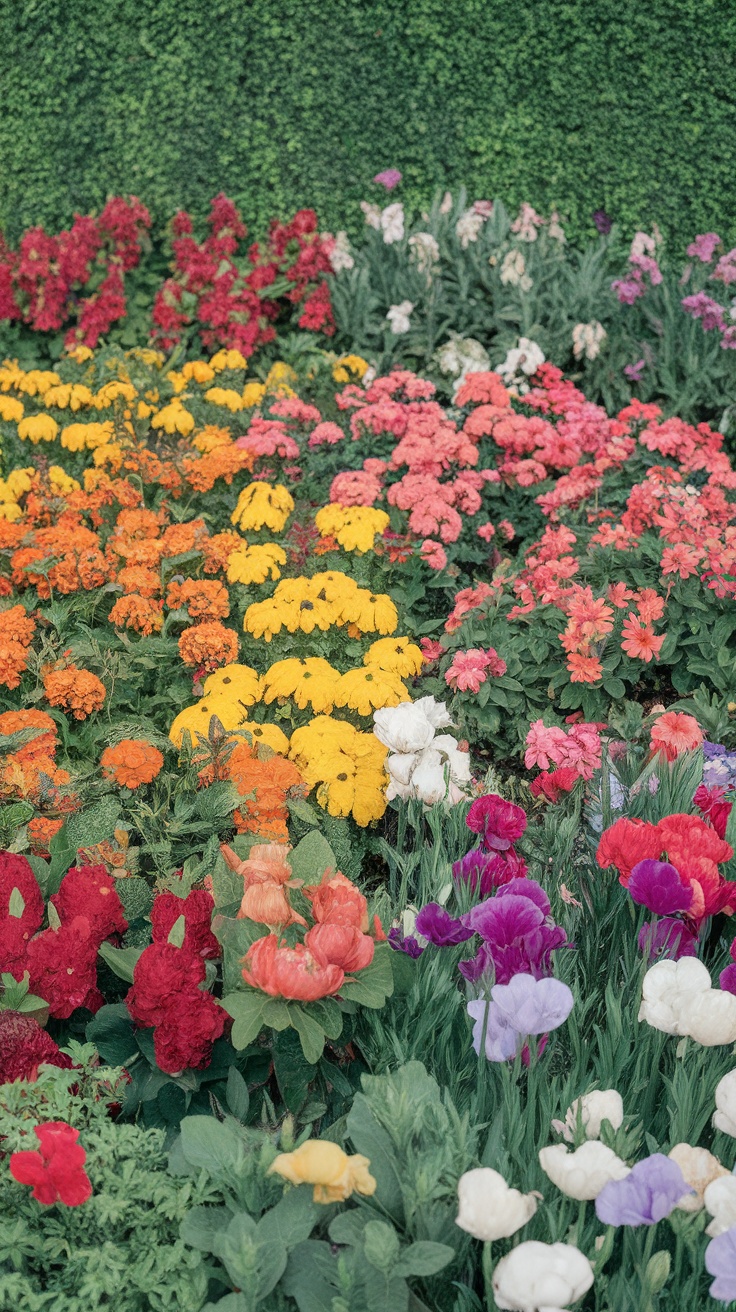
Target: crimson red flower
[(91, 892), (57, 1171), (162, 974), (15, 872), (24, 1046), (498, 822), (63, 968), (14, 940), (711, 804), (627, 842), (184, 1041), (197, 910), (553, 783)]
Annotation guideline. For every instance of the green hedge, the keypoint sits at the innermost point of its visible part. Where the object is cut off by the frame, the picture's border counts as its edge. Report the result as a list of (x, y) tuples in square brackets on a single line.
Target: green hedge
[(573, 103)]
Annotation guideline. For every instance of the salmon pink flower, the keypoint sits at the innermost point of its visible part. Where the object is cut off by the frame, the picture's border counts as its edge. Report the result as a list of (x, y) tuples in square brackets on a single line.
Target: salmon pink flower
[(340, 945), (56, 1171), (293, 973), (675, 732), (434, 554), (337, 901), (639, 639)]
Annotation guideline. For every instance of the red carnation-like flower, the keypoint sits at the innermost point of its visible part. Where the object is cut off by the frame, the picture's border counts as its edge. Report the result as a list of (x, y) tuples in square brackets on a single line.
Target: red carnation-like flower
[(57, 1171), (91, 892), (553, 783), (15, 872), (63, 968), (24, 1046), (162, 975), (626, 843), (197, 910), (14, 941), (184, 1041), (498, 822)]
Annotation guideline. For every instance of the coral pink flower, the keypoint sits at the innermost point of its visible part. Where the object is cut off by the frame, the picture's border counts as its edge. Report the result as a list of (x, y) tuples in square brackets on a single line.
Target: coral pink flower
[(434, 554), (673, 733)]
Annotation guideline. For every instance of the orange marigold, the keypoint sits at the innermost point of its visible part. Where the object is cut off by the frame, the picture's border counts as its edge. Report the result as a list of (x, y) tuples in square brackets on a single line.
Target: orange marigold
[(36, 781), (137, 578), (264, 784), (41, 830), (13, 661), (139, 613), (17, 626), (208, 645), (179, 538), (74, 690), (131, 762), (44, 744), (218, 549), (204, 599), (225, 462)]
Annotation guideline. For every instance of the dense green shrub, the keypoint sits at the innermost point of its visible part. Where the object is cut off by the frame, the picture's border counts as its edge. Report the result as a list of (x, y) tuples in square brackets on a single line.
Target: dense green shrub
[(289, 102)]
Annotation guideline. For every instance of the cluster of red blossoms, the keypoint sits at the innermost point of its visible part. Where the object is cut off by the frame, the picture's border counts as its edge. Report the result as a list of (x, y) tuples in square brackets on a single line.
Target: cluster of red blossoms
[(167, 995), (56, 1171), (61, 960), (232, 307), (40, 283)]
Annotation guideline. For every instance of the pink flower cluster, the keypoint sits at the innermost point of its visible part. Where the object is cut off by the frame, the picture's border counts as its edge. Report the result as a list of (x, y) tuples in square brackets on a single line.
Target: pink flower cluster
[(562, 756), (469, 669), (642, 264)]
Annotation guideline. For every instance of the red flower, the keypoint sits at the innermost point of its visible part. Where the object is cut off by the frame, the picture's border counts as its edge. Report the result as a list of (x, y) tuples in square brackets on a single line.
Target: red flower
[(710, 802), (57, 1171), (498, 822), (63, 968), (626, 843), (14, 940), (15, 872), (91, 892), (162, 974), (686, 834), (184, 1041), (340, 945), (197, 910), (24, 1046), (553, 783)]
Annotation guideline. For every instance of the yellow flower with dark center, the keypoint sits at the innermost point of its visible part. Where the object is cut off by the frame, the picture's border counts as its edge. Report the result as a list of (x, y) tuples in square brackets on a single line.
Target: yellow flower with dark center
[(38, 428), (262, 505), (355, 528), (270, 735), (224, 396), (369, 689), (255, 564), (239, 683), (372, 612), (310, 682), (334, 1174), (196, 719), (399, 655)]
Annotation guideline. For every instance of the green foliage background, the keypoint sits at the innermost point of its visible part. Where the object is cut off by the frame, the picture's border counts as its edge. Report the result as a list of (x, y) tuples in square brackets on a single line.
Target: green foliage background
[(566, 103)]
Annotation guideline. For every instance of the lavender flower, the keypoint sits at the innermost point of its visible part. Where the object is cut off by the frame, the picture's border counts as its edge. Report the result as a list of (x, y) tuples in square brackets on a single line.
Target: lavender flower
[(527, 888), (525, 1007), (436, 924), (720, 1261), (634, 371), (389, 178), (651, 1191), (657, 886)]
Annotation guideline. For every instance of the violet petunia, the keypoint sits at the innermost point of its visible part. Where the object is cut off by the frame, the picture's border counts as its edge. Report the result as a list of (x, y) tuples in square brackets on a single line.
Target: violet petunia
[(527, 888), (533, 1006), (499, 823), (648, 1194), (657, 886), (519, 938), (667, 939), (478, 966), (437, 925), (720, 1261), (401, 942)]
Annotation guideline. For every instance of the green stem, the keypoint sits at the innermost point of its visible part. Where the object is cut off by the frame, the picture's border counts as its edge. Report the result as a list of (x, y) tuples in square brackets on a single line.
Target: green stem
[(487, 1265)]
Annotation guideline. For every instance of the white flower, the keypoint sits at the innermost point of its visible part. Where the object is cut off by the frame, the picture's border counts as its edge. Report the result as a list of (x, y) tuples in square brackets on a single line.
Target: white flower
[(460, 356), (587, 339), (520, 363), (468, 227), (392, 222), (720, 1200), (406, 727), (583, 1173), (668, 986), (425, 251), (513, 271), (555, 229), (699, 1169), (340, 257), (372, 214), (422, 764), (436, 712), (724, 1117), (526, 223), (594, 1108), (446, 204), (642, 244), (489, 1208), (536, 1277), (710, 1017), (398, 317)]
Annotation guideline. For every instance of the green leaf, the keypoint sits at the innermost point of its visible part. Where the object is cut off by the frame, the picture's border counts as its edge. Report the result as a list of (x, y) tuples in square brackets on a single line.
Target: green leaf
[(93, 824), (303, 811), (616, 688), (423, 1259), (246, 1009), (177, 932), (54, 917), (236, 1094), (371, 987), (111, 1030), (15, 997), (16, 904), (201, 1225), (311, 858), (381, 1246), (136, 897), (310, 1032), (371, 1139), (214, 1146), (120, 960)]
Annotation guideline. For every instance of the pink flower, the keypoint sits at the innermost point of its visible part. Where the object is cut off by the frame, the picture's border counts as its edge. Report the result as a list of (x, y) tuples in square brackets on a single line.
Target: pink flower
[(355, 487), (389, 178), (468, 670), (433, 553), (704, 246), (486, 531), (431, 650), (326, 434), (544, 745)]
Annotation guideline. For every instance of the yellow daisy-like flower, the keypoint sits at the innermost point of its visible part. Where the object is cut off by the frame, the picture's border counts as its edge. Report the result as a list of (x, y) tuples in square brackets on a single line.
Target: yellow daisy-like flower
[(11, 409), (353, 791), (198, 371), (110, 453), (196, 719), (369, 689), (10, 375), (270, 735), (225, 396), (255, 564), (78, 437), (113, 391), (37, 381), (238, 683), (72, 396), (173, 418), (262, 505), (316, 742), (227, 360), (38, 428), (349, 366), (280, 374), (10, 510), (80, 354), (399, 655), (333, 1173), (373, 612), (253, 394), (61, 481), (354, 527), (310, 682)]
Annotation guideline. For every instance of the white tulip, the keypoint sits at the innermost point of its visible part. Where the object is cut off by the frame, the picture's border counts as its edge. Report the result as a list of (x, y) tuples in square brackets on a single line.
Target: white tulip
[(724, 1118), (489, 1208), (710, 1017), (400, 766), (699, 1169), (594, 1108), (404, 728), (668, 987), (583, 1173), (536, 1277), (720, 1200)]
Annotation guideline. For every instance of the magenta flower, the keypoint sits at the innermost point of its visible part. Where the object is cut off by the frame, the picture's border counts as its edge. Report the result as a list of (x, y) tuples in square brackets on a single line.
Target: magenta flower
[(704, 246), (703, 307), (602, 221), (527, 888), (401, 942), (485, 871), (498, 822), (518, 937), (389, 178), (727, 978), (628, 290), (667, 939), (437, 925), (657, 886), (720, 1261), (648, 1194), (634, 371)]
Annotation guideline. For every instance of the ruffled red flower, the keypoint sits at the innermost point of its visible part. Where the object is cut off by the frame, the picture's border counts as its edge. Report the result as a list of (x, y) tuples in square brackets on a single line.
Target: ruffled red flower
[(63, 968), (627, 842), (552, 784), (14, 940), (197, 910), (56, 1171), (685, 834), (184, 1041), (498, 822), (15, 872), (91, 892), (711, 804), (24, 1046), (162, 974)]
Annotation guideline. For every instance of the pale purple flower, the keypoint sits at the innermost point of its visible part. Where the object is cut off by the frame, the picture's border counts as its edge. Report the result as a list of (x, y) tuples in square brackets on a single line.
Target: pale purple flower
[(728, 340), (720, 1261), (389, 178), (703, 307), (628, 290), (667, 939), (704, 246), (634, 371), (516, 1011), (502, 1041), (657, 886), (437, 925), (648, 1194), (646, 264), (602, 221)]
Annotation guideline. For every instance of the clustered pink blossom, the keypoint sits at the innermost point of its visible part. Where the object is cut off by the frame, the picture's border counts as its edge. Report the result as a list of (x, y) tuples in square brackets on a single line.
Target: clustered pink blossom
[(469, 669), (578, 748)]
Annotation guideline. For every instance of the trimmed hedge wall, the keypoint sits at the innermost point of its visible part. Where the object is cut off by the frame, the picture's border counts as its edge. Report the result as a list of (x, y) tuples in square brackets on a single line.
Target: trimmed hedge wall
[(577, 104)]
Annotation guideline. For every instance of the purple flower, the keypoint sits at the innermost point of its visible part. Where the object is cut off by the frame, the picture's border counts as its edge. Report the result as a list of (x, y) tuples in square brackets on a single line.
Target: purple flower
[(720, 1261), (502, 1041), (525, 1007), (519, 939), (389, 179), (479, 965), (703, 307), (602, 221), (498, 822), (634, 371), (436, 924), (668, 939), (704, 246), (727, 978), (628, 290), (401, 942), (650, 1192), (502, 921), (484, 871), (657, 886), (728, 340), (527, 888)]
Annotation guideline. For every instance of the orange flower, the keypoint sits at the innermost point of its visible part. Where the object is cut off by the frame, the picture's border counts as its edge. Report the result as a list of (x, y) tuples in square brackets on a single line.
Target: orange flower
[(44, 744), (292, 973), (649, 605), (36, 781), (131, 762), (218, 549), (204, 599), (138, 613), (179, 538), (264, 785), (673, 733), (138, 578), (208, 645), (340, 945), (265, 863), (267, 903), (337, 901), (584, 669), (40, 832), (74, 690), (640, 640), (16, 626)]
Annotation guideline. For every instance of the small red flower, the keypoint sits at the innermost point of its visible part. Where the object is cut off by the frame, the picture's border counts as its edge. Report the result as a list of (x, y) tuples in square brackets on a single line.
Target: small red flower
[(57, 1170), (90, 892), (197, 910)]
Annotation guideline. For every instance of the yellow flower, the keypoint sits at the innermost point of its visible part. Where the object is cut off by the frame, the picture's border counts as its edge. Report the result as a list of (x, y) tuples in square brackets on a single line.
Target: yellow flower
[(310, 682), (372, 612), (369, 689), (271, 735), (255, 564), (143, 410), (75, 437), (319, 740), (37, 381), (334, 1174), (11, 409), (354, 527), (227, 360), (9, 510), (10, 375), (262, 505), (80, 354), (225, 396), (111, 392), (110, 453), (239, 683), (399, 655), (349, 365), (253, 394), (38, 428), (178, 381), (211, 438), (19, 481), (61, 481), (73, 395), (173, 418), (280, 373), (198, 370), (154, 359), (196, 719)]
